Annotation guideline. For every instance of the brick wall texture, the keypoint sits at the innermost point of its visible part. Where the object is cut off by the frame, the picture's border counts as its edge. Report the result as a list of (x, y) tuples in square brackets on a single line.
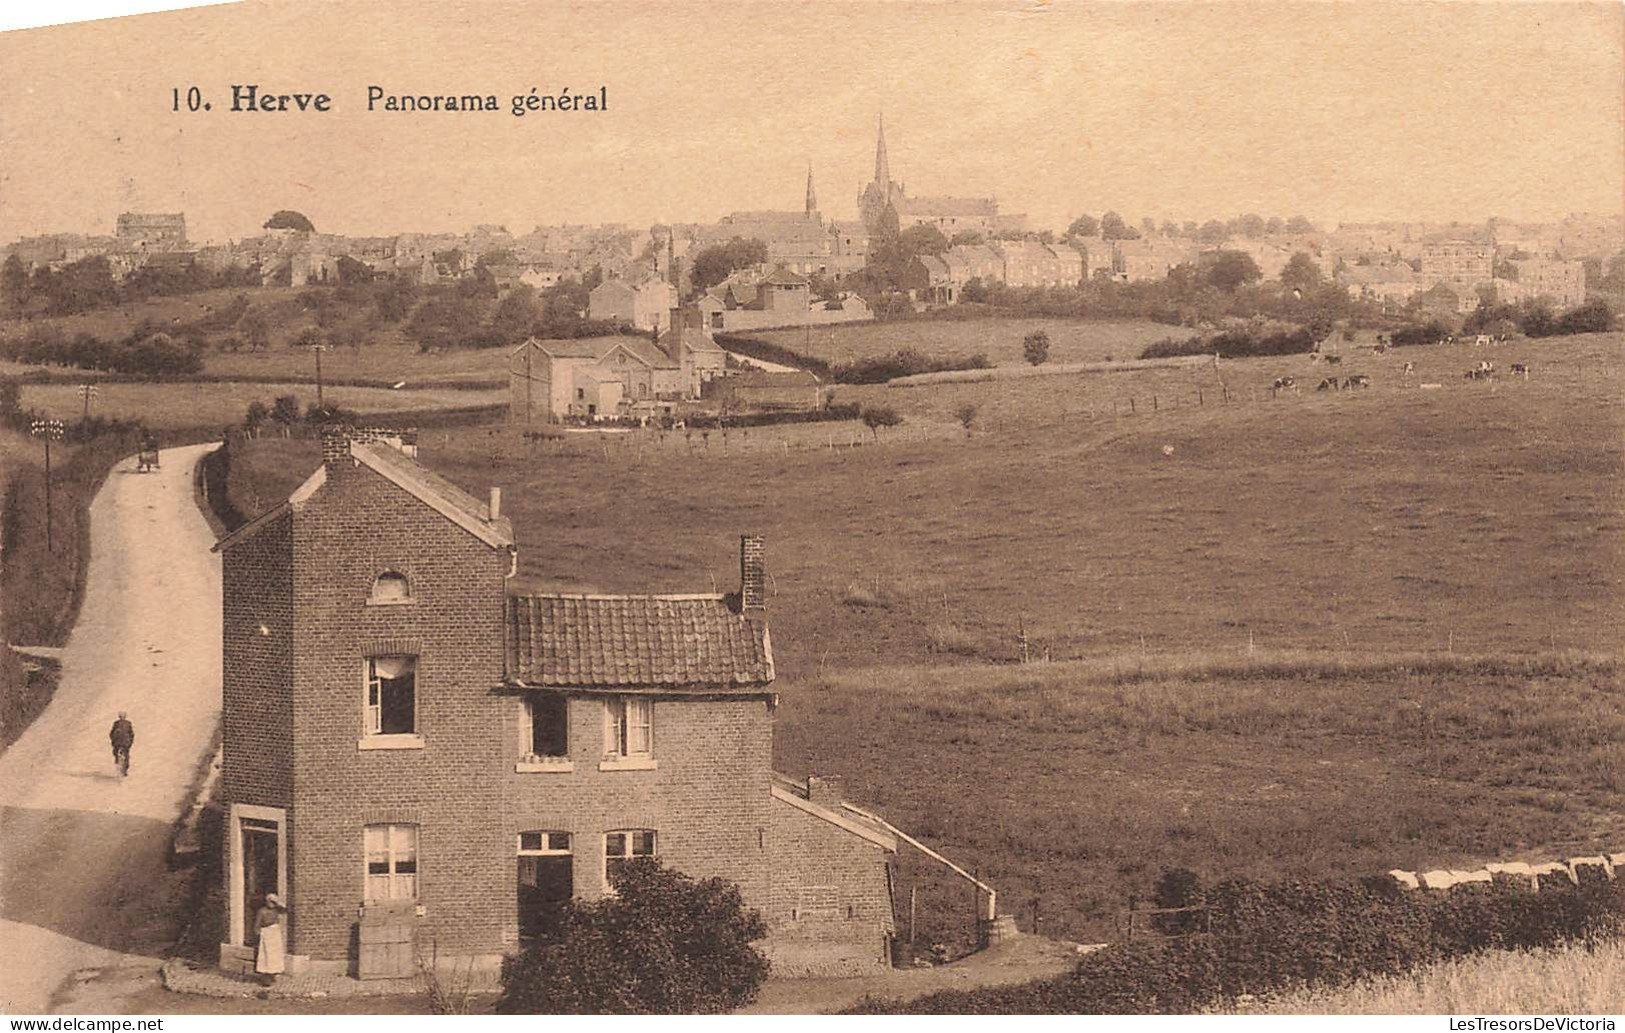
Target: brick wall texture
[(298, 631)]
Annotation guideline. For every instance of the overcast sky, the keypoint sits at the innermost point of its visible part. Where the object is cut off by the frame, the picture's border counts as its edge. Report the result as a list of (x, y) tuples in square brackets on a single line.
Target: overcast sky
[(1346, 112)]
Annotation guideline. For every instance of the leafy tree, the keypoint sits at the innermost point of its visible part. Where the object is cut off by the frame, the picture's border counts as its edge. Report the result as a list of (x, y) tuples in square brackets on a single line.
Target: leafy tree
[(1301, 272), (877, 416), (1613, 281), (287, 219), (1251, 226), (965, 413), (1594, 317), (663, 944), (975, 292), (11, 398), (922, 239), (1148, 226), (888, 226), (256, 326), (1170, 228), (1228, 270), (285, 410), (1212, 232), (1035, 347), (516, 315), (1112, 227), (14, 281), (713, 264), (1083, 226), (258, 413), (966, 237), (1274, 225), (1298, 224), (1189, 228), (353, 271)]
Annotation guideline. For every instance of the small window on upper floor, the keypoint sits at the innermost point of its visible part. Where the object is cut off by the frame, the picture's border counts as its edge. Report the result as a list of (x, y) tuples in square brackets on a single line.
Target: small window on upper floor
[(391, 587)]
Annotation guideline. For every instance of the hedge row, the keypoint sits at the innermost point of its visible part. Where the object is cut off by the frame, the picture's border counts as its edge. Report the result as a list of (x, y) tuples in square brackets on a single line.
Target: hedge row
[(767, 351), (1268, 939)]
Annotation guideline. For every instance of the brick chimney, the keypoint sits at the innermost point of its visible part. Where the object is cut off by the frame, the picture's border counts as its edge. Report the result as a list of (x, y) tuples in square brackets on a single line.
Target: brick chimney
[(335, 444), (824, 790), (752, 577)]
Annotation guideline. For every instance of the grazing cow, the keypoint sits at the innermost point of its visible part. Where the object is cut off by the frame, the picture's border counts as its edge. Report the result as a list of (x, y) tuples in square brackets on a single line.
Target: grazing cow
[(1358, 380), (1381, 348), (1332, 360), (1328, 384), (1486, 367), (1481, 340), (1521, 368), (1407, 369), (1282, 383), (1314, 356)]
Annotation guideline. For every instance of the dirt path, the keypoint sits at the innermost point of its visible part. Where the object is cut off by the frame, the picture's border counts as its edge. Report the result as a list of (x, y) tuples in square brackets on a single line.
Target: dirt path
[(83, 880)]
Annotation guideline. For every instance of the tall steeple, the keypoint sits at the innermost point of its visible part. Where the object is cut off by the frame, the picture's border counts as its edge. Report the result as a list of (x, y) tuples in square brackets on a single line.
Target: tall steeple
[(812, 198), (882, 167)]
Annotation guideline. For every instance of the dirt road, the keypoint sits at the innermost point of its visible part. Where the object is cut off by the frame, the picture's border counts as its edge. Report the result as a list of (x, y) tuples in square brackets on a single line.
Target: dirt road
[(83, 880)]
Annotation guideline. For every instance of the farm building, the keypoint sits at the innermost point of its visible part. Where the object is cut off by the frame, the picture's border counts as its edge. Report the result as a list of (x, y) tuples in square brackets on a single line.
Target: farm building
[(793, 391), (404, 737)]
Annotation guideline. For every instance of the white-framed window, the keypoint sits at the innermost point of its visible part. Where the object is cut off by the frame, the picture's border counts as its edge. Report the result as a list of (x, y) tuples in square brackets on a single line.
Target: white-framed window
[(622, 845), (629, 727), (392, 862), (391, 587), (391, 707), (545, 732)]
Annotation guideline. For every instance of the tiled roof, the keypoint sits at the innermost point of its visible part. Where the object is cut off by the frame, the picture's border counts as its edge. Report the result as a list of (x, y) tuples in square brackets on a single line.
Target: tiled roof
[(692, 642)]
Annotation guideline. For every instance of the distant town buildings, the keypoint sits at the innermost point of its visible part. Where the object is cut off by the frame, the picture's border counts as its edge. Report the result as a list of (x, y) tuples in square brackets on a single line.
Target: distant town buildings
[(139, 229)]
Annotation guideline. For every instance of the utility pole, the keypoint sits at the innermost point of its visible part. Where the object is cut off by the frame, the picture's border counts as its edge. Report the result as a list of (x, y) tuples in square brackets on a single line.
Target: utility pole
[(47, 430), (88, 392), (318, 349)]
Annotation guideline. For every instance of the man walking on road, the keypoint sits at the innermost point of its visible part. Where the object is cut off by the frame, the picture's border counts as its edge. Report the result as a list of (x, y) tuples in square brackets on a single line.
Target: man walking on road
[(122, 735)]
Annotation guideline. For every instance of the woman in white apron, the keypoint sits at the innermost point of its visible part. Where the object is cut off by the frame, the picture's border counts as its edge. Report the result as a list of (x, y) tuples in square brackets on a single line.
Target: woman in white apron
[(269, 959)]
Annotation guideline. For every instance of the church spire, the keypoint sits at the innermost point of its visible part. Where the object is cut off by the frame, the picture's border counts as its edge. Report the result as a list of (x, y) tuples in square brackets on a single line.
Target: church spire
[(812, 198), (882, 167)]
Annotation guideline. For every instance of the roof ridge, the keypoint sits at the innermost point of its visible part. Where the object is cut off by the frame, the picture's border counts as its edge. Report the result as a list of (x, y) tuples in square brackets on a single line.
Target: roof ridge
[(666, 597)]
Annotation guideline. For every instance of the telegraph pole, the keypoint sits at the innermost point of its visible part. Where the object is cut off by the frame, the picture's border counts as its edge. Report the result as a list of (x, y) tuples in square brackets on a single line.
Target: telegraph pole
[(318, 349), (87, 392), (48, 431)]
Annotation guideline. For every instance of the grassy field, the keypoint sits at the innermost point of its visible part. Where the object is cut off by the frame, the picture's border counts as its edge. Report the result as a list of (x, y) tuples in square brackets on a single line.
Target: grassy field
[(1478, 518), (1070, 340), (222, 404), (1264, 641), (1075, 784), (388, 357), (1573, 981)]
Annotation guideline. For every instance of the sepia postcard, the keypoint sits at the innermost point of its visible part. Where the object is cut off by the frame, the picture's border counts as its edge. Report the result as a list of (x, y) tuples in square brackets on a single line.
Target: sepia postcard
[(1009, 507)]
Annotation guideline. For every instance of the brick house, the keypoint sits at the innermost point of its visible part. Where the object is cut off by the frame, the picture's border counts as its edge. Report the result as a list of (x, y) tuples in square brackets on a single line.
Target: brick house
[(402, 733)]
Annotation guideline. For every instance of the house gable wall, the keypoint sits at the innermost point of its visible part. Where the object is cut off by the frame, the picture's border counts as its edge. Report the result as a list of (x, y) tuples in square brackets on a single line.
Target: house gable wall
[(356, 526)]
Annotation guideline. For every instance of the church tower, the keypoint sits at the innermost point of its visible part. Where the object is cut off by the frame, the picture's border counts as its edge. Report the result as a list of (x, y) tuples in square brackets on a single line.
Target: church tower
[(882, 192), (812, 197)]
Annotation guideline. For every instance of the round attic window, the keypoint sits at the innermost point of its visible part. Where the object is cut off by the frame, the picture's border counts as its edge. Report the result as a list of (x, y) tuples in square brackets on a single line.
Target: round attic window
[(390, 588)]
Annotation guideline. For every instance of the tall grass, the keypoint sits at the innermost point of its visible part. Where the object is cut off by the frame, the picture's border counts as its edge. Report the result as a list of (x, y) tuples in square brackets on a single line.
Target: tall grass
[(1574, 980)]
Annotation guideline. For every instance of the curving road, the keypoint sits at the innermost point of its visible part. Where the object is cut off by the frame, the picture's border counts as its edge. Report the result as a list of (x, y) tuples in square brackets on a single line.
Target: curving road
[(83, 877)]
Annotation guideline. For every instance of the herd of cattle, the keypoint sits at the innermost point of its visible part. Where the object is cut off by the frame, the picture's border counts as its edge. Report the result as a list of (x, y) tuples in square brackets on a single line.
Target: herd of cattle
[(1484, 370)]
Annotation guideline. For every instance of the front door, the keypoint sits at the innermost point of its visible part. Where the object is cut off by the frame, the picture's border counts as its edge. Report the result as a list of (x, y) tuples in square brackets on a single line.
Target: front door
[(259, 854), (545, 882)]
